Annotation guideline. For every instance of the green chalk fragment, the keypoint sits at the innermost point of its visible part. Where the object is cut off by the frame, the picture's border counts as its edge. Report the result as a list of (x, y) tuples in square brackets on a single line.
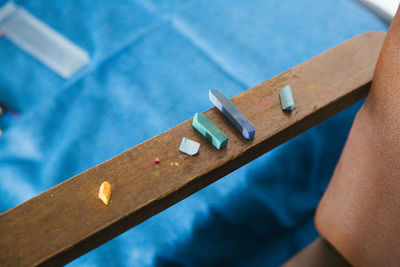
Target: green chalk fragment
[(211, 132)]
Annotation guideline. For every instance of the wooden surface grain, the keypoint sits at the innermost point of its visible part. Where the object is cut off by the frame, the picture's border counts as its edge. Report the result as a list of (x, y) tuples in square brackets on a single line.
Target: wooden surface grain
[(69, 220)]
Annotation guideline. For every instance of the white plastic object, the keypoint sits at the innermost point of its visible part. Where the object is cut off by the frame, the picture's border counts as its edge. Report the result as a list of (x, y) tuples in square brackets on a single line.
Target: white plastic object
[(42, 42), (386, 9)]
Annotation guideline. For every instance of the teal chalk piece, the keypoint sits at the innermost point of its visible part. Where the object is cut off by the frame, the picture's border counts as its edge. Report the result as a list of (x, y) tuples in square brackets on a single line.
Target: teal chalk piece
[(211, 132), (286, 96)]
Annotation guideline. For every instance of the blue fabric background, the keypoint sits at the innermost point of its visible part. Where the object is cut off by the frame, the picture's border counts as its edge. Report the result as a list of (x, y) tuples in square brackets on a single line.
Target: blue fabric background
[(152, 63)]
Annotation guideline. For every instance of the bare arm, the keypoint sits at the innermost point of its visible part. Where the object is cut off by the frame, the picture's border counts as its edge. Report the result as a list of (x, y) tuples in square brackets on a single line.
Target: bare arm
[(360, 212)]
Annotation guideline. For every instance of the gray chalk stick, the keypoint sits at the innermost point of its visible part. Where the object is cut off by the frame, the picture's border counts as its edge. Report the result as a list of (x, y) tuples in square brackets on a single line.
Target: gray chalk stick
[(286, 97), (244, 126)]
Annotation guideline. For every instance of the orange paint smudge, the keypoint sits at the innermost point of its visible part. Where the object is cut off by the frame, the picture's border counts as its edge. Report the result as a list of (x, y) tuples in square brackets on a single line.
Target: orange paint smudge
[(312, 89)]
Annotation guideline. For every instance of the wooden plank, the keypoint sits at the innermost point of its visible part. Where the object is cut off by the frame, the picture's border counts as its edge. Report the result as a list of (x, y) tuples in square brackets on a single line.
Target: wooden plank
[(69, 220)]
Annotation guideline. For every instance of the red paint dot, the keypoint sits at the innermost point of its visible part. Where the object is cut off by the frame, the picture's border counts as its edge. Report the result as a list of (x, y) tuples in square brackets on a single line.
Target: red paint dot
[(1, 34), (268, 103), (157, 160)]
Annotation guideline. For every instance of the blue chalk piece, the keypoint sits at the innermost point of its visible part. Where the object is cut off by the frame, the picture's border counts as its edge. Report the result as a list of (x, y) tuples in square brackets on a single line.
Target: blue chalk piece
[(189, 147), (286, 97), (244, 126)]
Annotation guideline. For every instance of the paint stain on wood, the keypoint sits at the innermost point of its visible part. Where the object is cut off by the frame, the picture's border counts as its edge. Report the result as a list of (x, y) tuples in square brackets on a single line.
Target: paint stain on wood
[(325, 92), (312, 89), (267, 103)]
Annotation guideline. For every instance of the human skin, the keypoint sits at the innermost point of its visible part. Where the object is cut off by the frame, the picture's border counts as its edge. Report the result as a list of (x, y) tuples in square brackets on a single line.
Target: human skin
[(359, 213)]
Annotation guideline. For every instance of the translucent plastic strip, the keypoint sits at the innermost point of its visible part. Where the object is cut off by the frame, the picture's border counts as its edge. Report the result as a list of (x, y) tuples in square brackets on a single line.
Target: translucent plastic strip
[(386, 9), (40, 41)]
